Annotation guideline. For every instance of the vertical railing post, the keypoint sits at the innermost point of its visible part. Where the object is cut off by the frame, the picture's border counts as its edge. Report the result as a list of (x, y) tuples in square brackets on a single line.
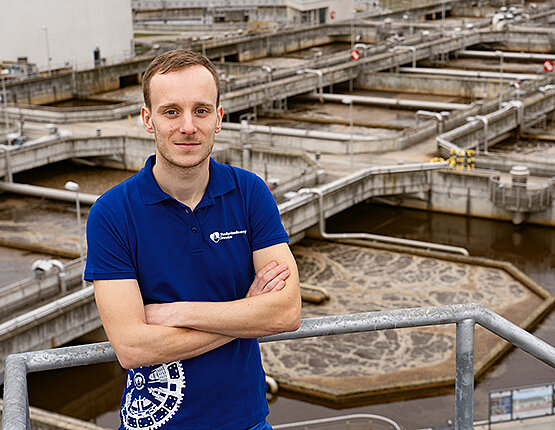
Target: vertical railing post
[(16, 402), (464, 376)]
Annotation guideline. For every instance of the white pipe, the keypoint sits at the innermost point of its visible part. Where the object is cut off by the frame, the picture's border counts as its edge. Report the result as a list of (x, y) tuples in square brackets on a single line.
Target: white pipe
[(295, 132), (519, 105), (43, 266), (7, 149), (45, 310), (367, 236), (546, 88), (51, 193), (341, 420), (512, 55), (320, 80), (272, 384), (449, 145), (470, 73), (400, 103), (439, 118), (412, 48), (486, 130)]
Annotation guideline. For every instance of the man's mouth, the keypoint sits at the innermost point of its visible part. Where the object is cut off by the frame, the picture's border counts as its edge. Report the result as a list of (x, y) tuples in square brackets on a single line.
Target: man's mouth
[(186, 143)]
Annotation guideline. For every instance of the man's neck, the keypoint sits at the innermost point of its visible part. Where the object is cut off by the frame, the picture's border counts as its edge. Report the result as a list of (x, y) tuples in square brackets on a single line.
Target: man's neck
[(186, 185)]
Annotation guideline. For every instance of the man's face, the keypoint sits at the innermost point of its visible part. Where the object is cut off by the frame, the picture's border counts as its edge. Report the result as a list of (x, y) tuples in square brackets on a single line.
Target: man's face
[(183, 116)]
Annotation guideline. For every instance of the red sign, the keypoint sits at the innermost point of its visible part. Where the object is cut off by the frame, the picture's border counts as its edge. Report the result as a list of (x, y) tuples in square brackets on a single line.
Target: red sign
[(355, 54), (548, 66), (332, 14)]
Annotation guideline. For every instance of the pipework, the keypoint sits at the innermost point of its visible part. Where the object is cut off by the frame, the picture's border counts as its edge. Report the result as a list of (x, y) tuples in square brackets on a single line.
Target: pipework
[(519, 105), (320, 80), (439, 117), (367, 236), (9, 175), (412, 48), (485, 121)]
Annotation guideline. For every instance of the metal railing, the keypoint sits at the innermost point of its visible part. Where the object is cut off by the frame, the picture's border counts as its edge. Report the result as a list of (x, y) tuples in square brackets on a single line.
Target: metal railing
[(520, 197), (465, 316), (351, 422)]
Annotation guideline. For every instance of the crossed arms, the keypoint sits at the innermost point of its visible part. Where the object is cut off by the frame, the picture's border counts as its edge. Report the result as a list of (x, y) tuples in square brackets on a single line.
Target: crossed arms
[(176, 331)]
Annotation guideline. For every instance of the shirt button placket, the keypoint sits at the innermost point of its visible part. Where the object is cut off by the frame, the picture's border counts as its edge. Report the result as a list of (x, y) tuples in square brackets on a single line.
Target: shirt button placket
[(196, 238)]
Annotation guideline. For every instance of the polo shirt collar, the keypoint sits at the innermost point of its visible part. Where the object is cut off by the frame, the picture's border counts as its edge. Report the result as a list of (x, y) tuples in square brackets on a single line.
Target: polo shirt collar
[(220, 182)]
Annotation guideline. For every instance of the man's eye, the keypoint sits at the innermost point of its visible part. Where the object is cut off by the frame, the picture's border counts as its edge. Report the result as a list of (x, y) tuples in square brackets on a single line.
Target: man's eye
[(171, 112), (202, 111)]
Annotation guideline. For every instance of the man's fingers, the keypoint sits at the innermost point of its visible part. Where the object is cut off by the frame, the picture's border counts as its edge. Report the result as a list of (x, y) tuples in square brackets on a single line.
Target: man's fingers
[(267, 278), (256, 285), (278, 280), (273, 273), (262, 272)]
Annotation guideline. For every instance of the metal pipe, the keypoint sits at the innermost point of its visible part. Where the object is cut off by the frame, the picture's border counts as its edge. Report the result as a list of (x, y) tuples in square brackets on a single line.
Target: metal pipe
[(45, 310), (295, 132), (320, 80), (51, 193), (74, 187), (9, 176), (519, 105), (471, 73), (367, 236), (15, 414), (485, 121), (335, 419), (272, 384), (464, 375), (511, 55), (400, 103), (439, 117), (349, 101), (405, 47), (17, 365), (449, 145), (515, 335), (5, 103), (546, 88), (500, 55), (361, 45)]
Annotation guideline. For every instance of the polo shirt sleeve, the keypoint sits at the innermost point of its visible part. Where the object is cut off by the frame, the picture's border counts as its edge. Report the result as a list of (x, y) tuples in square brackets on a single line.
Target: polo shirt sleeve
[(265, 221), (108, 254)]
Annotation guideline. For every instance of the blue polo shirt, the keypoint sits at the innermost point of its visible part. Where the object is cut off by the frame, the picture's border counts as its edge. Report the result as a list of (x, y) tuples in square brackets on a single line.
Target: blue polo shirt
[(137, 231)]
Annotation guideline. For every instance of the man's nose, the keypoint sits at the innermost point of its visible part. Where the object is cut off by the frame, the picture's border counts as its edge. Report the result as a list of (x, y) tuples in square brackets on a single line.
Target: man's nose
[(187, 125)]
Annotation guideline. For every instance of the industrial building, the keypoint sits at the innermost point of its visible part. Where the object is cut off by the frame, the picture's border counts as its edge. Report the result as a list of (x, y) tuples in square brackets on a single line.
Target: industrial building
[(61, 34)]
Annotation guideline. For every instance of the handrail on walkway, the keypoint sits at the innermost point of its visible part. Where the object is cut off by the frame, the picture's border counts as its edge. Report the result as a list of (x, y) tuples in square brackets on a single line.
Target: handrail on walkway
[(466, 316)]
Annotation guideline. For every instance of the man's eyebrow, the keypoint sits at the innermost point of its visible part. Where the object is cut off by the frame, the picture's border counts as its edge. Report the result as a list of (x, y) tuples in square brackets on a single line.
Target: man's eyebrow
[(204, 105), (168, 106)]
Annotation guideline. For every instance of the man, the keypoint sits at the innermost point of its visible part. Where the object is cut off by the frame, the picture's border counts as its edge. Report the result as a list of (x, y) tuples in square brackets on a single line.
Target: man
[(173, 252)]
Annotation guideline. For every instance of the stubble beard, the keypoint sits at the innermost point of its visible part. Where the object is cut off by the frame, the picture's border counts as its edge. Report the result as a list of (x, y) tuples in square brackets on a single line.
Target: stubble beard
[(165, 157)]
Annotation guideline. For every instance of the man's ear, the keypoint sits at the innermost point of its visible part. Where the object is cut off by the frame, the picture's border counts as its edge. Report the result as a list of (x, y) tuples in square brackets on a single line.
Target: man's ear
[(147, 119), (220, 117)]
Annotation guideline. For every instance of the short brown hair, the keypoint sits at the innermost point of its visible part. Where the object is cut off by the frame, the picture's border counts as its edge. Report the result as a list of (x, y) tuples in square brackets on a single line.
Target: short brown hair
[(174, 61)]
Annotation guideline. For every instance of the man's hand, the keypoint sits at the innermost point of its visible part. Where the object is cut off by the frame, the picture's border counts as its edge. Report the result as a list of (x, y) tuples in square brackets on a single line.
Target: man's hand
[(270, 278), (259, 314), (137, 343)]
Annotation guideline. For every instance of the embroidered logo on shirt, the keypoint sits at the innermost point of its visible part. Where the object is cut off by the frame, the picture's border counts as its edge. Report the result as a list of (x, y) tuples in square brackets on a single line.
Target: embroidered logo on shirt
[(153, 396), (219, 235)]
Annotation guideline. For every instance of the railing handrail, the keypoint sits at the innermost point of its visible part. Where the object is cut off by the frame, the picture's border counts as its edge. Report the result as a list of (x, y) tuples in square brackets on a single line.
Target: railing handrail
[(16, 411)]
